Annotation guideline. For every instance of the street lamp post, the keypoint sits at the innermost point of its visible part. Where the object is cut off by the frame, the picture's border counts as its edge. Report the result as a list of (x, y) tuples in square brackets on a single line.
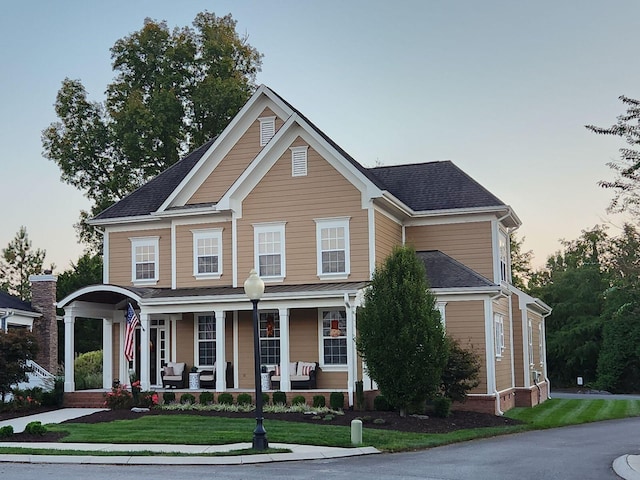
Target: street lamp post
[(254, 288)]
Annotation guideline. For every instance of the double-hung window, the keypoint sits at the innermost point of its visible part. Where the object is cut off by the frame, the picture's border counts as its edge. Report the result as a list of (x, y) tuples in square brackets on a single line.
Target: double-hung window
[(206, 340), (332, 244), (207, 253), (269, 251), (269, 338), (334, 338), (503, 247), (540, 344), (530, 334), (144, 260), (498, 322)]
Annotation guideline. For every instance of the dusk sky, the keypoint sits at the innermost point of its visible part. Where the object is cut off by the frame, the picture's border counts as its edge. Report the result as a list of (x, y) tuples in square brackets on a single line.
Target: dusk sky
[(501, 88)]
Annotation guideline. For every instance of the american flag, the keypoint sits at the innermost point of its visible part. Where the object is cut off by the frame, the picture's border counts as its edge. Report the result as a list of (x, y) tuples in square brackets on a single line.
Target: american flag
[(129, 336)]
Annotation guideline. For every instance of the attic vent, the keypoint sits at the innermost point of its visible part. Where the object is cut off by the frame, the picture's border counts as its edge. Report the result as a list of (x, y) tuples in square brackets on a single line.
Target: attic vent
[(299, 161), (267, 129)]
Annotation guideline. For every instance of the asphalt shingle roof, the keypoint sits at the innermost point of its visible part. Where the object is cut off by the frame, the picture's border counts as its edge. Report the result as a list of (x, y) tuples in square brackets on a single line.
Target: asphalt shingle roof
[(446, 272), (9, 302)]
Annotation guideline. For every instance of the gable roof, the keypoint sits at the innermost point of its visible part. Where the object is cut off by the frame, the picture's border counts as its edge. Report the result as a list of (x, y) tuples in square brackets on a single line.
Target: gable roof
[(9, 302), (446, 272)]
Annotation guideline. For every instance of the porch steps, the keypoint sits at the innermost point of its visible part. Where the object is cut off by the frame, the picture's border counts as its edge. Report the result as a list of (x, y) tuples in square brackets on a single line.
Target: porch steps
[(83, 400)]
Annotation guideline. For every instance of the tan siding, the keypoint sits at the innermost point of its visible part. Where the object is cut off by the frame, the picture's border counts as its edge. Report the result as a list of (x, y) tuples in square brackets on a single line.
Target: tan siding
[(518, 346), (503, 365), (469, 243), (245, 350), (185, 339), (184, 261), (120, 255), (303, 328), (388, 235), (323, 193), (465, 323), (232, 165)]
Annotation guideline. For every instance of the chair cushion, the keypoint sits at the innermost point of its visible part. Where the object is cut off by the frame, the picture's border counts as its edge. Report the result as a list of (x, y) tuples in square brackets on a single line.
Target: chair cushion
[(304, 369), (206, 378), (172, 378), (299, 378), (178, 367), (167, 371)]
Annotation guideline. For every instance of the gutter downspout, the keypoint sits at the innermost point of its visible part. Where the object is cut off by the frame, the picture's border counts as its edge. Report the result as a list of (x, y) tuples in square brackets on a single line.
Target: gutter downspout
[(493, 386), (3, 320), (544, 347)]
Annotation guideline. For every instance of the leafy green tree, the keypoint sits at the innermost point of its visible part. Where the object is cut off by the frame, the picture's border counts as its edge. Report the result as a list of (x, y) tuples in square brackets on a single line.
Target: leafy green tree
[(400, 335), (173, 90), (520, 262), (19, 261), (461, 373), (16, 348)]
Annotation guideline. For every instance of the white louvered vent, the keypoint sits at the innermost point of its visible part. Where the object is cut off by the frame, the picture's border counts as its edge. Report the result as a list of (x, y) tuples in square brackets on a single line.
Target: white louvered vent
[(267, 129), (299, 161)]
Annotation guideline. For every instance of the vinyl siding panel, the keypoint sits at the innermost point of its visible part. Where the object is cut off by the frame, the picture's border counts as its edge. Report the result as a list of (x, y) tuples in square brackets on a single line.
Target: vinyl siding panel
[(388, 234), (469, 243), (518, 345), (185, 339), (503, 365), (245, 350), (465, 323), (120, 255), (184, 261), (233, 164), (323, 193)]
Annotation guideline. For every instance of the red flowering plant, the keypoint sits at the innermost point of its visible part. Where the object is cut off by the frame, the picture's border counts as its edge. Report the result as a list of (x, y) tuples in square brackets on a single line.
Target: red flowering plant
[(118, 398), (147, 399)]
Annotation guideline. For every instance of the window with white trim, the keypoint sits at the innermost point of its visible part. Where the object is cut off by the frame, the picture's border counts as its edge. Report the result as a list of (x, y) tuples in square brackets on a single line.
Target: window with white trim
[(267, 129), (503, 247), (270, 338), (498, 321), (144, 260), (334, 337), (206, 340), (332, 240), (540, 345), (269, 251), (530, 334), (441, 309), (299, 161), (207, 253)]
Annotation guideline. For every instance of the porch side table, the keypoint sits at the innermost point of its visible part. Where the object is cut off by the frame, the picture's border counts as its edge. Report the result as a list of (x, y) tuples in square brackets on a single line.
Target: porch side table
[(194, 381), (265, 381)]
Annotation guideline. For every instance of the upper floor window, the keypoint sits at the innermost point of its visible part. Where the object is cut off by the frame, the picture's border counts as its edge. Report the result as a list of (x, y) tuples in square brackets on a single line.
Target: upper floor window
[(530, 334), (503, 246), (206, 340), (334, 337), (299, 161), (267, 129), (144, 260), (269, 250), (332, 240), (498, 322), (269, 338), (207, 253)]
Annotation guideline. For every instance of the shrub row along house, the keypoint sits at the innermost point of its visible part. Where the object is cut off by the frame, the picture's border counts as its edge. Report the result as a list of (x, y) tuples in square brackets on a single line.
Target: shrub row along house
[(274, 193)]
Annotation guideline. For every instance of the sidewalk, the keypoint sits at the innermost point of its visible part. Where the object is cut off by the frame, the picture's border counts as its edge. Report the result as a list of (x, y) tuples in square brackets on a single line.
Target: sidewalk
[(298, 452), (627, 467)]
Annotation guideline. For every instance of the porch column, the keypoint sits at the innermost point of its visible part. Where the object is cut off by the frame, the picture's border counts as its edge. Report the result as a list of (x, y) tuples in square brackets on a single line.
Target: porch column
[(144, 350), (285, 380), (221, 354), (69, 342), (351, 347), (107, 353)]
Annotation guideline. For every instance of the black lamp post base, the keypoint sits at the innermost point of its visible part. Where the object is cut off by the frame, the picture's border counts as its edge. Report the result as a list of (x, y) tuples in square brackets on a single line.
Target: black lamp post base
[(260, 437)]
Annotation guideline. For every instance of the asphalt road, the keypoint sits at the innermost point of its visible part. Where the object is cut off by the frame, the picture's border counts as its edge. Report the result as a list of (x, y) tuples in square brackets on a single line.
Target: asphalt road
[(583, 452)]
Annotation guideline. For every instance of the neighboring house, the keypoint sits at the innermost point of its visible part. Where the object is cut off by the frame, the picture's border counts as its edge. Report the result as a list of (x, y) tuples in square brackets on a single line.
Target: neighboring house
[(274, 193)]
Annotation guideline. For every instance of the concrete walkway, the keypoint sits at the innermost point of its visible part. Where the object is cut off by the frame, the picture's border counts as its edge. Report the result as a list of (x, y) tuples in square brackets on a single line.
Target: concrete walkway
[(298, 452)]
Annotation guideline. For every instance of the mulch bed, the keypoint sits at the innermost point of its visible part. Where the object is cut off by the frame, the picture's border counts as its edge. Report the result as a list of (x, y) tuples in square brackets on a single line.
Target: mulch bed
[(392, 421)]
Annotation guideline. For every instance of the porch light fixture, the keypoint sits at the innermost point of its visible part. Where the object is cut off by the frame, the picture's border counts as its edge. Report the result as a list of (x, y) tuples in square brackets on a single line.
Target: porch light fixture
[(254, 288)]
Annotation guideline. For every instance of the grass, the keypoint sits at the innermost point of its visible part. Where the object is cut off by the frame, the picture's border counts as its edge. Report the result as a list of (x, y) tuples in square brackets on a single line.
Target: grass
[(198, 430)]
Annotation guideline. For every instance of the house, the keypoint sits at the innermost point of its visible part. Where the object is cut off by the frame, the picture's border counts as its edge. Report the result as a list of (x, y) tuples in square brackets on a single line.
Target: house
[(274, 193)]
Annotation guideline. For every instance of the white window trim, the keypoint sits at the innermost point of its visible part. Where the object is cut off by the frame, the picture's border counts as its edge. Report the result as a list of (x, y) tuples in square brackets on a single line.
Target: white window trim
[(530, 335), (441, 306), (271, 366), (329, 367), (540, 344), (264, 122), (338, 222), (506, 264), (196, 346), (141, 242), (498, 326), (299, 161), (215, 233), (259, 228)]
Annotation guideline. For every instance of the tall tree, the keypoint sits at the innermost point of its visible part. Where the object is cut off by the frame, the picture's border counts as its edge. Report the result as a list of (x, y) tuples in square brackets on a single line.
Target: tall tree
[(626, 184), (400, 335), (520, 262), (173, 91), (18, 262), (16, 348)]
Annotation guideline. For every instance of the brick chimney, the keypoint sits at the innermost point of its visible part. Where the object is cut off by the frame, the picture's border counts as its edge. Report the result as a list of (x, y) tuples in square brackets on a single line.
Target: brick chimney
[(45, 328)]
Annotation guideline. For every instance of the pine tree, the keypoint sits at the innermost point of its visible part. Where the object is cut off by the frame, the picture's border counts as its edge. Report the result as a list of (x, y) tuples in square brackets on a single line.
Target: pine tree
[(18, 262)]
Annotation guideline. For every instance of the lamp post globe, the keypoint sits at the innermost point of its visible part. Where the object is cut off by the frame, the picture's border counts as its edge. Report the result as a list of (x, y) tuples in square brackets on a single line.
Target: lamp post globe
[(254, 288)]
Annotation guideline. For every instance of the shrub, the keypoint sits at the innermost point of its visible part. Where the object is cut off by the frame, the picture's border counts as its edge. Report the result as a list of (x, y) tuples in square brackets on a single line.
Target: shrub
[(381, 404), (6, 431), (187, 398), (244, 399), (442, 407), (265, 399), (460, 374), (168, 397), (279, 398), (206, 398), (54, 397), (118, 398), (328, 417), (318, 401), (35, 428), (27, 399), (225, 398), (360, 395), (88, 370), (298, 400), (379, 421), (147, 399), (336, 400)]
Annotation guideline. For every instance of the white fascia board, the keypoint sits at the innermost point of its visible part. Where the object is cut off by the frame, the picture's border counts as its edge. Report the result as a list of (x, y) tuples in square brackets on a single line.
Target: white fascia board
[(181, 212), (459, 291), (449, 219), (97, 288), (161, 223), (115, 221), (504, 210), (225, 142), (14, 312)]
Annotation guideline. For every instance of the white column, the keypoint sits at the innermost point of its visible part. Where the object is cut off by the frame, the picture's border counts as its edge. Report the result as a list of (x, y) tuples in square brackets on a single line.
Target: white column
[(107, 353), (351, 349), (221, 357), (69, 322), (285, 381), (144, 351)]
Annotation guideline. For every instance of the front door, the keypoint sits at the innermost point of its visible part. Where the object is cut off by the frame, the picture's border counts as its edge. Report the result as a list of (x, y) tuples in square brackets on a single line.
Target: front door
[(157, 350)]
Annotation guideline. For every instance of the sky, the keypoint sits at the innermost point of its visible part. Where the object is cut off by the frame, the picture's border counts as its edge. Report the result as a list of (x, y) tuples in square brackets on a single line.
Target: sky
[(501, 88)]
